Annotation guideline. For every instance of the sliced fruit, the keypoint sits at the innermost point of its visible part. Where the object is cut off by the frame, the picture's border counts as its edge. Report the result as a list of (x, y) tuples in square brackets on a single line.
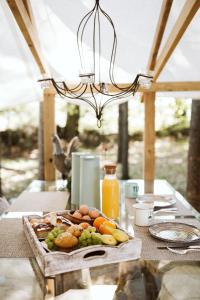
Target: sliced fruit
[(108, 239), (98, 221), (107, 227), (120, 235)]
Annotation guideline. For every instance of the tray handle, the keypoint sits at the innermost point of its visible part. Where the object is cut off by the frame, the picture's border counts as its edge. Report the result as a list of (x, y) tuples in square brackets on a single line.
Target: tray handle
[(94, 254)]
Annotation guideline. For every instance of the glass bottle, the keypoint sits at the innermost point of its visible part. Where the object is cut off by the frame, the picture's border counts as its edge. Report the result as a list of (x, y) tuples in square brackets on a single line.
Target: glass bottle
[(110, 193)]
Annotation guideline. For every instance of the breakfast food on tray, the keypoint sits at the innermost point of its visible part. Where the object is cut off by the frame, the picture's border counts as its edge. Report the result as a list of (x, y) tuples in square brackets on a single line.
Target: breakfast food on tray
[(63, 235), (42, 226), (85, 213), (66, 240)]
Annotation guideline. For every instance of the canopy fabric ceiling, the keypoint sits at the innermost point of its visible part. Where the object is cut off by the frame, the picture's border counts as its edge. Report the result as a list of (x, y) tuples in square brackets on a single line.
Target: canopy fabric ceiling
[(19, 72), (57, 23)]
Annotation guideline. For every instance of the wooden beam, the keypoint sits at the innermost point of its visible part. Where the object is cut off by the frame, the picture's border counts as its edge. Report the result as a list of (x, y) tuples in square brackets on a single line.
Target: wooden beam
[(22, 17), (149, 141), (176, 86), (160, 28), (49, 129), (189, 10)]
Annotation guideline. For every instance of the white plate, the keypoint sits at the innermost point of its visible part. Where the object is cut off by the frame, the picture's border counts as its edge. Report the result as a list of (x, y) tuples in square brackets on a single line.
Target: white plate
[(175, 232), (160, 201)]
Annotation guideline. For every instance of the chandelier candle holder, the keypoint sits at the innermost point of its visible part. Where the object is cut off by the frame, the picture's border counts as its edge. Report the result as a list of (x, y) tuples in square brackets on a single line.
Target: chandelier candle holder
[(92, 89)]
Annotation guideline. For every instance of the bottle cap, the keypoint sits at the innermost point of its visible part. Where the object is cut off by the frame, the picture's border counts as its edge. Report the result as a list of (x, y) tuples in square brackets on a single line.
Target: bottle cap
[(110, 168)]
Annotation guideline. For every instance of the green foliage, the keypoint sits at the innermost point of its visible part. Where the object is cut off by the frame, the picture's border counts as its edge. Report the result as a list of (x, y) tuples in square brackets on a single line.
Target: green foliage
[(90, 138), (180, 128)]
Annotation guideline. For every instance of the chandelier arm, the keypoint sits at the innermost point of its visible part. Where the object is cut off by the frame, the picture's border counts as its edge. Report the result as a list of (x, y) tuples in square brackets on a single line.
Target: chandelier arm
[(113, 99), (74, 94), (73, 90), (125, 90), (93, 96), (80, 40), (132, 92), (61, 94), (121, 95), (77, 88), (97, 110), (62, 91), (65, 88)]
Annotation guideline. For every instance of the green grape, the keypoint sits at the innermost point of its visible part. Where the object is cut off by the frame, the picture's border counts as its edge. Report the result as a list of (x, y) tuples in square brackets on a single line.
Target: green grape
[(92, 229), (81, 238), (87, 234), (89, 241), (54, 233), (50, 236), (84, 243), (50, 245), (93, 236)]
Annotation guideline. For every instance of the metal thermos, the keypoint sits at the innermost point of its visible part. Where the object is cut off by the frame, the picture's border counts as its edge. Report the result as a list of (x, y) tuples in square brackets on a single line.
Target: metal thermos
[(90, 180), (75, 185)]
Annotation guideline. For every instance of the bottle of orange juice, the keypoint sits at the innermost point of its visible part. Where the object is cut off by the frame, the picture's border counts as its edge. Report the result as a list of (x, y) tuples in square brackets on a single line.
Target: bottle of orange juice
[(110, 192)]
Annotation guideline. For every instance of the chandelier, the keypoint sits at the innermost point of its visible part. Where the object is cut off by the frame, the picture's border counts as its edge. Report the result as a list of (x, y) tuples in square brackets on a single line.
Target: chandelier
[(91, 89)]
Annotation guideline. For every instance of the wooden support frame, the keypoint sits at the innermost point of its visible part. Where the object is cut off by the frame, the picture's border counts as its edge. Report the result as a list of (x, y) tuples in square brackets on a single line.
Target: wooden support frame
[(48, 131), (176, 86), (189, 10), (22, 12), (160, 28), (26, 25), (149, 141)]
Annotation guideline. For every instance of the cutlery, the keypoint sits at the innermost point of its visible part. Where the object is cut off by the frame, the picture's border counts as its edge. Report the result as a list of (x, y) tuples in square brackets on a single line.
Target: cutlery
[(180, 246), (184, 251), (172, 216), (174, 209)]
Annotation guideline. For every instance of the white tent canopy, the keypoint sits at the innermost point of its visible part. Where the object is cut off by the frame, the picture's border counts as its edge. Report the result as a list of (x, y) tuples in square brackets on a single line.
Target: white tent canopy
[(19, 71), (57, 23)]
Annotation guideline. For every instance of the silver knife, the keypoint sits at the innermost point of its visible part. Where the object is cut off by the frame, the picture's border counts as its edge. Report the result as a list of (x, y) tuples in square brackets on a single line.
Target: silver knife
[(181, 246), (158, 217)]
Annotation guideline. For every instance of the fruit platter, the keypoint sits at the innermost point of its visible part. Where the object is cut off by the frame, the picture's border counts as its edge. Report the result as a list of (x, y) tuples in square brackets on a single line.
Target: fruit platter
[(70, 240)]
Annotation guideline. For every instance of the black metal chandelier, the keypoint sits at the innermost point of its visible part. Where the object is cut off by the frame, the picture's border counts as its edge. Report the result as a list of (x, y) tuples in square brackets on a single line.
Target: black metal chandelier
[(91, 89)]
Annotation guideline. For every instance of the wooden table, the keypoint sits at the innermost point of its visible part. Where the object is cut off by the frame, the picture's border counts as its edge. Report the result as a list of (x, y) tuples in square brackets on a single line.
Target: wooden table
[(141, 279)]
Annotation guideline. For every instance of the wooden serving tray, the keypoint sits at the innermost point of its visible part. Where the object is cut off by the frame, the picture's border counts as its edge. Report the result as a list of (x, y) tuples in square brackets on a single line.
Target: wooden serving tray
[(56, 262)]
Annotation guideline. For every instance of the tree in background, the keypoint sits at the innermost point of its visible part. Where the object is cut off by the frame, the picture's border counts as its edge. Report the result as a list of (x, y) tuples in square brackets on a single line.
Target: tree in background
[(71, 128), (193, 178), (123, 139)]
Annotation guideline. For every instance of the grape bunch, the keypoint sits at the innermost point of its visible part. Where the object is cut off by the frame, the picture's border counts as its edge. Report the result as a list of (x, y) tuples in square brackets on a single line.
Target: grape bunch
[(89, 237), (51, 236)]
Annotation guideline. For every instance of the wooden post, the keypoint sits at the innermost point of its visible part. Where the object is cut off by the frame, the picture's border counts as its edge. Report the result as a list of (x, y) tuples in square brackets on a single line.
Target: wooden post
[(123, 139), (41, 142), (48, 131), (149, 142)]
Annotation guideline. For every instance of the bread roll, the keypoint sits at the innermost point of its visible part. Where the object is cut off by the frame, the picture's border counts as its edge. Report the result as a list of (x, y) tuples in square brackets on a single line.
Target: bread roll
[(66, 240)]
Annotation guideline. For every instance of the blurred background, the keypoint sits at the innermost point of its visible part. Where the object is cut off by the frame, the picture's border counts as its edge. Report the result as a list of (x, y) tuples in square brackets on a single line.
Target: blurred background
[(19, 139)]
